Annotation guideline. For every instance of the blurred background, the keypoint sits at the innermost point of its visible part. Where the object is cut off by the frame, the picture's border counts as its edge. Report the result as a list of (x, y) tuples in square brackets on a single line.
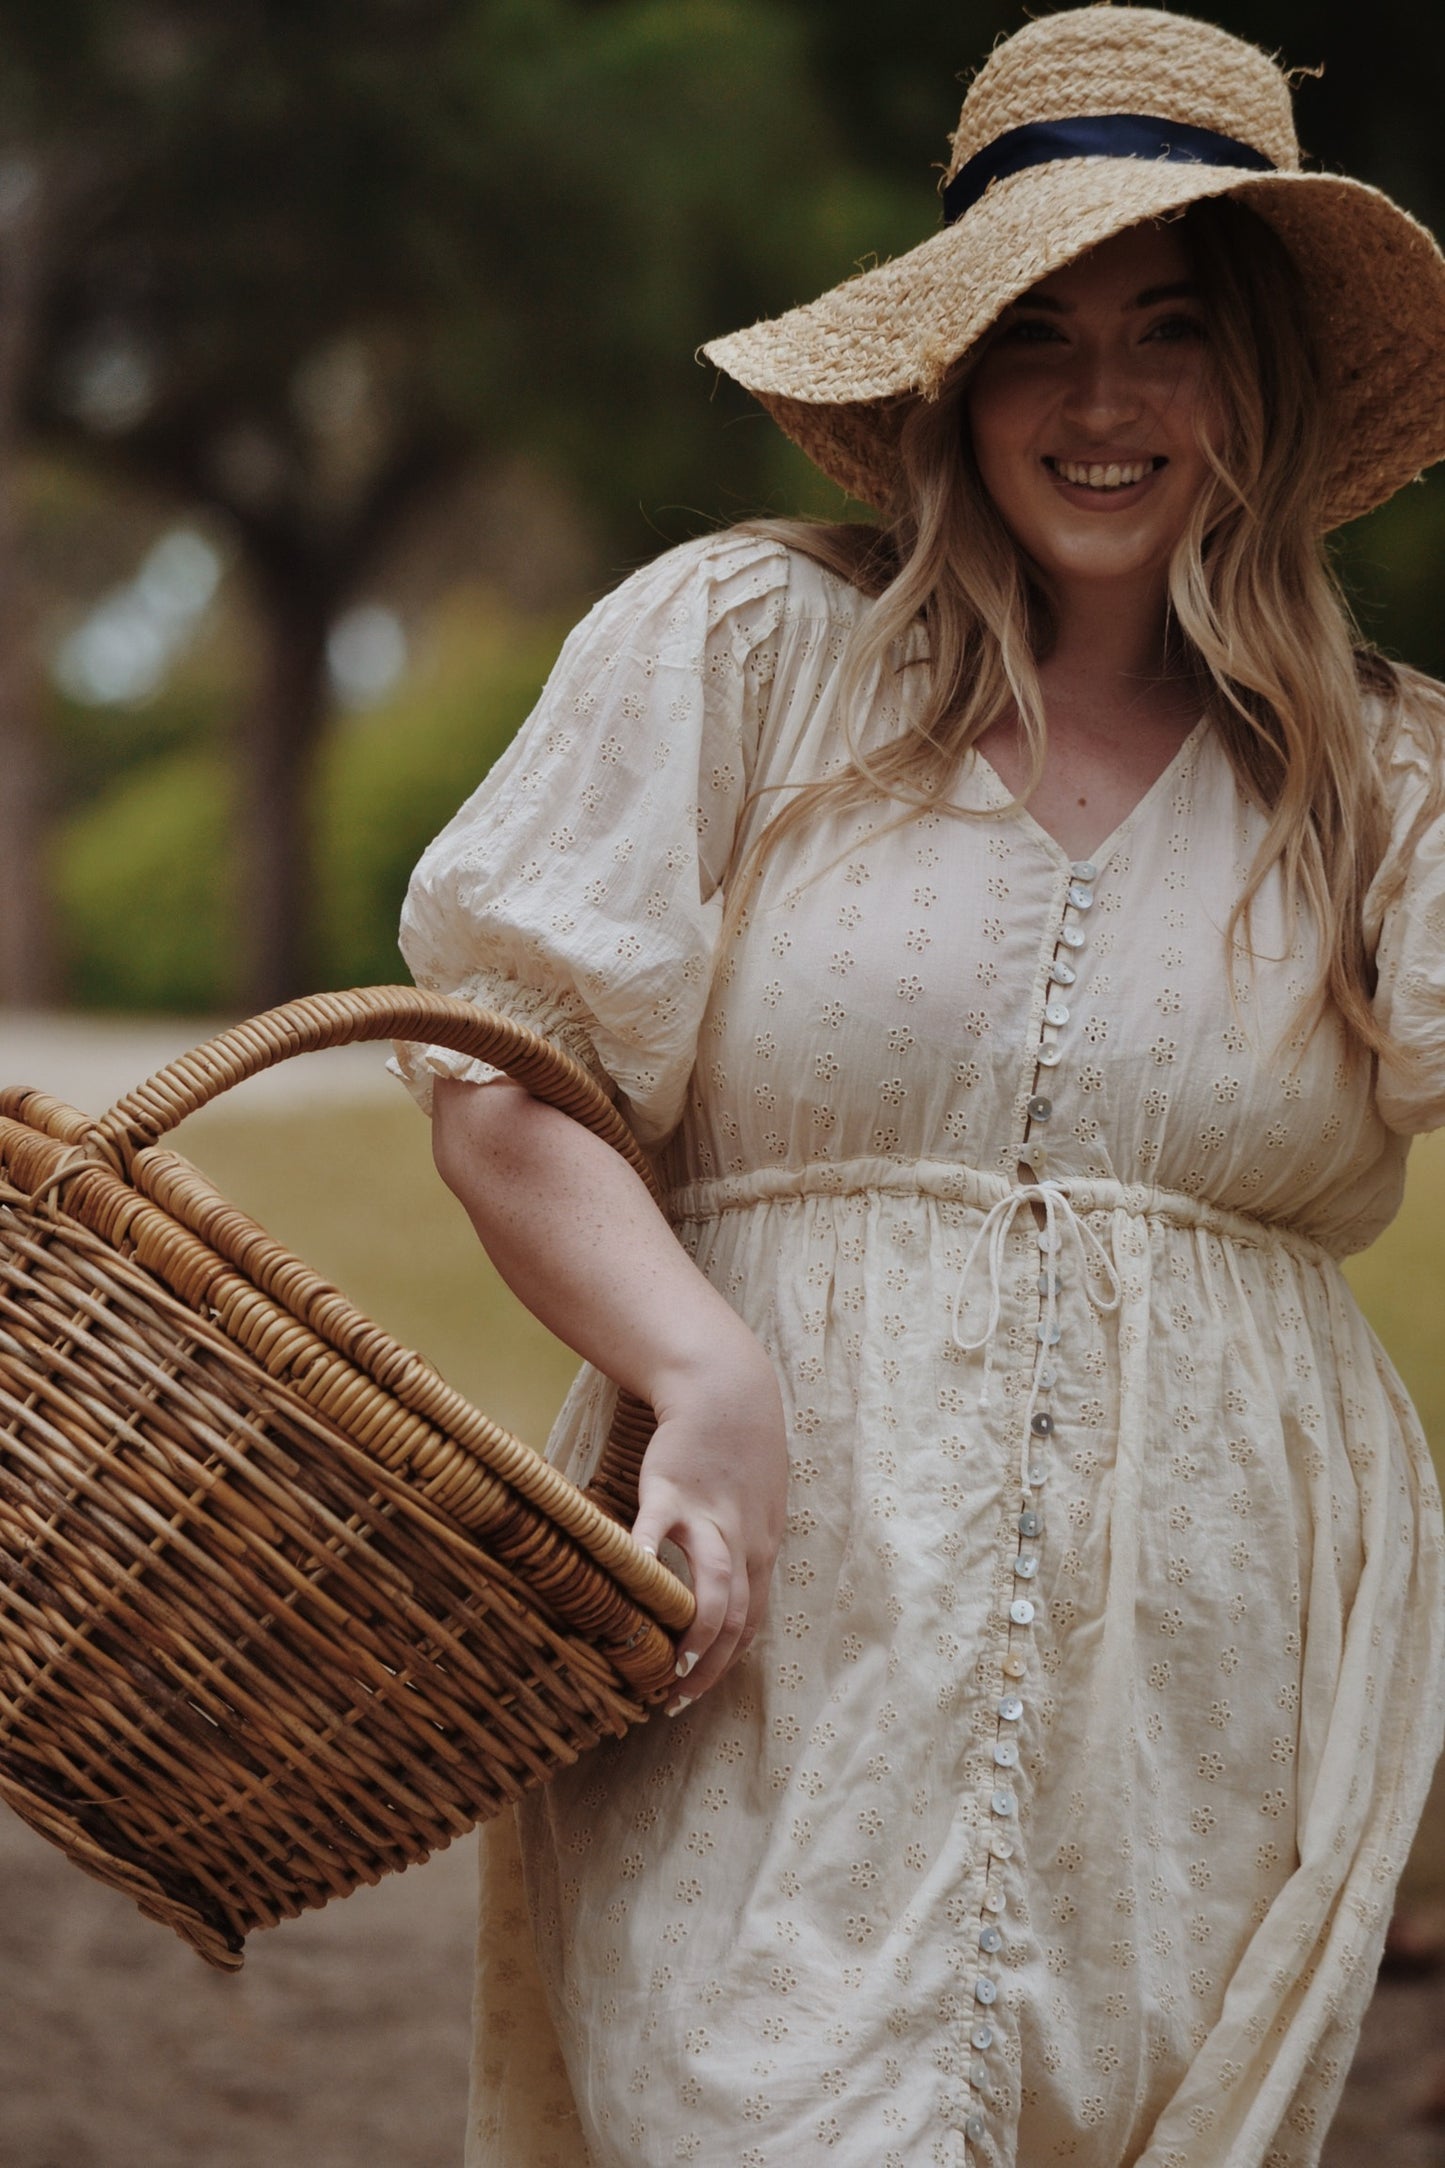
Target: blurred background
[(347, 351)]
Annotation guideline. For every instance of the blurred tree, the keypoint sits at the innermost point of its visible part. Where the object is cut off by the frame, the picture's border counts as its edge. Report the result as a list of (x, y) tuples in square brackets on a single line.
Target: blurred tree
[(302, 262), (27, 962), (47, 170), (344, 247)]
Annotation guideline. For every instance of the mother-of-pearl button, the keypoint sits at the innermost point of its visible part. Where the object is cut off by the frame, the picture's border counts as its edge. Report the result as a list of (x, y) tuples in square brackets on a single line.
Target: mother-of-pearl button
[(1056, 1013), (1050, 1056), (1021, 1611), (1006, 1754), (1084, 869), (982, 2037), (1072, 936), (1062, 973), (1010, 1708), (1080, 896)]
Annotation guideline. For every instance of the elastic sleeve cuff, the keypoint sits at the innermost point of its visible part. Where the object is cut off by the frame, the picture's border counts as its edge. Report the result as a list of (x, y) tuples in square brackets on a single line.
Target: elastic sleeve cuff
[(561, 1021)]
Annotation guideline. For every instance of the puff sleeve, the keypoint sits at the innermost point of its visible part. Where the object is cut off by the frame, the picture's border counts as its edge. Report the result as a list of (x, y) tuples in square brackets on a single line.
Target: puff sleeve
[(579, 890), (1405, 918)]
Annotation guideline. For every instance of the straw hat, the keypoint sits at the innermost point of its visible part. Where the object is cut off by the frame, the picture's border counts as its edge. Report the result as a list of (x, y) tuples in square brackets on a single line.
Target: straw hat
[(1082, 124)]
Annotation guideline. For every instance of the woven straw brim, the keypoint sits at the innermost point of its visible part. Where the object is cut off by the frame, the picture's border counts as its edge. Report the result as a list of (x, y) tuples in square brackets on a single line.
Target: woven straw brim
[(838, 374)]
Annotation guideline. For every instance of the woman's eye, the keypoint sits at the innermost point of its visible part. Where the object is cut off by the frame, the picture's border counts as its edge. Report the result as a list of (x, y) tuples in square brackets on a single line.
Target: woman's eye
[(1170, 329), (1029, 331)]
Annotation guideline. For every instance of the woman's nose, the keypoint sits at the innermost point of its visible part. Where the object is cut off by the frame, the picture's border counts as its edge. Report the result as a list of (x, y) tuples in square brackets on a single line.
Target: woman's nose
[(1103, 391)]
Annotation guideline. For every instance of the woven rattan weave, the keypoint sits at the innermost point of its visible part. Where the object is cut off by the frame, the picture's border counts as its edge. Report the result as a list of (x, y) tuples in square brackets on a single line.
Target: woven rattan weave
[(279, 1610)]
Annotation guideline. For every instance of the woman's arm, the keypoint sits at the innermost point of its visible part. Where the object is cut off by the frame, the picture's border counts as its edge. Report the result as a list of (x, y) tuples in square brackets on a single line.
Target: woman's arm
[(576, 1237)]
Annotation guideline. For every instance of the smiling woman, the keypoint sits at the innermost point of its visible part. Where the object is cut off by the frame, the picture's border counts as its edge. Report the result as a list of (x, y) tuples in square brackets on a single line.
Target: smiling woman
[(1018, 930)]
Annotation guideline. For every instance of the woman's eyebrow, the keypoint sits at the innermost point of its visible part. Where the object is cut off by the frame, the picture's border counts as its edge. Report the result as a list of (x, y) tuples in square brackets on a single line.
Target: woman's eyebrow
[(1178, 290), (1181, 290)]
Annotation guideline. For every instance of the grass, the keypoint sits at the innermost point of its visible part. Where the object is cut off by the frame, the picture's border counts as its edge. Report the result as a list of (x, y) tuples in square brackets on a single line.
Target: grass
[(352, 1189)]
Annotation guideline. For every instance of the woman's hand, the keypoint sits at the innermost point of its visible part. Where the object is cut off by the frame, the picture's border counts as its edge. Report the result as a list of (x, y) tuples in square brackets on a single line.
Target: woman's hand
[(714, 1482)]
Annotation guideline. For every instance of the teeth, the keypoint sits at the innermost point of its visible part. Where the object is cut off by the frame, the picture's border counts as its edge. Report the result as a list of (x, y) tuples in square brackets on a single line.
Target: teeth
[(1113, 476)]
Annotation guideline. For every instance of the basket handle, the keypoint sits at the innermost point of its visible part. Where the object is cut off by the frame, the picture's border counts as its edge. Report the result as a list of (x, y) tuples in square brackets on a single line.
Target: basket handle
[(315, 1021)]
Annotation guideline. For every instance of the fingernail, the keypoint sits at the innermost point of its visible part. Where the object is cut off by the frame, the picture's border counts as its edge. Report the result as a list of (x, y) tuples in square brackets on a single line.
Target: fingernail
[(676, 1706), (649, 1548), (686, 1663)]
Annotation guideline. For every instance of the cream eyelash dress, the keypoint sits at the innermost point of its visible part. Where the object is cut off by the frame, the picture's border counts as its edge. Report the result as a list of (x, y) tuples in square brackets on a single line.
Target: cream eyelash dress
[(1057, 1811)]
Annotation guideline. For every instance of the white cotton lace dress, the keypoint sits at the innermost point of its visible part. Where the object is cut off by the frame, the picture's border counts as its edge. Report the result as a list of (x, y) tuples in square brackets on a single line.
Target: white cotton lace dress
[(1056, 1812)]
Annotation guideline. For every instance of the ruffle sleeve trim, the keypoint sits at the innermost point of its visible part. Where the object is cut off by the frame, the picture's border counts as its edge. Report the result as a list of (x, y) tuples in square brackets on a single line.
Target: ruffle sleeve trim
[(555, 1016)]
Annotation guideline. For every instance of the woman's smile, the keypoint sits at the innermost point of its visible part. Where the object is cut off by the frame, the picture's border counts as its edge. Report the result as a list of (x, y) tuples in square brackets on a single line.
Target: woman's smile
[(1100, 472)]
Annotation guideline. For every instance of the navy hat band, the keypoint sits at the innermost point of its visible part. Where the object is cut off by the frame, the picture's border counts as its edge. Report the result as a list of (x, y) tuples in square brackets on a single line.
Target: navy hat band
[(1095, 135)]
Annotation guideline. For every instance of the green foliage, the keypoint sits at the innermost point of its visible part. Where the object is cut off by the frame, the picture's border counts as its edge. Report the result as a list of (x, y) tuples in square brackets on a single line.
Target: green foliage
[(393, 777), (145, 874), (1390, 563), (142, 891), (519, 219), (347, 247)]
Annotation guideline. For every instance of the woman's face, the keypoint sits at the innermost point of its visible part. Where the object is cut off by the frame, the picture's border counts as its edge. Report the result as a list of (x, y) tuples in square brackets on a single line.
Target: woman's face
[(1086, 409)]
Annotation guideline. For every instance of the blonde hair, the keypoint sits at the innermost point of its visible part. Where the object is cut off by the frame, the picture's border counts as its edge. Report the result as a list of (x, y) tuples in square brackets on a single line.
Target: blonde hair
[(1257, 619)]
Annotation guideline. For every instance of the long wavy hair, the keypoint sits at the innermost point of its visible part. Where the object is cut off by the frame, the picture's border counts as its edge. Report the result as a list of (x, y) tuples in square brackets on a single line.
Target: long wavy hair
[(1256, 618)]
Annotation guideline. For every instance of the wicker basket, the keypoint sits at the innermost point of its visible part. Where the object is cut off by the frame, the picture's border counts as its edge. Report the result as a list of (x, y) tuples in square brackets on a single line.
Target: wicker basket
[(279, 1611)]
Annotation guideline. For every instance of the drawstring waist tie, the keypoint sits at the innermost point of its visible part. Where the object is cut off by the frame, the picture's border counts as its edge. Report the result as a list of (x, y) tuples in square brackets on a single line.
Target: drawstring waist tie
[(1062, 1206), (1052, 1202)]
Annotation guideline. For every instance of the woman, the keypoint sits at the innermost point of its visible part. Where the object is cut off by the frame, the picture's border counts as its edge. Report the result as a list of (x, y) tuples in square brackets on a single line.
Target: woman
[(1018, 929)]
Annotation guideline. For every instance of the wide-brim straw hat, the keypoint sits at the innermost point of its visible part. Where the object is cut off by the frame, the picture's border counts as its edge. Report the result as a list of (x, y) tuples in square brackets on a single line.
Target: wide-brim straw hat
[(1080, 125)]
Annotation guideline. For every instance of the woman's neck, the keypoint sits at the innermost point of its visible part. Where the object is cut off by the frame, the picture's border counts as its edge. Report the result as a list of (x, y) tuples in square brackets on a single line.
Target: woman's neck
[(1108, 661)]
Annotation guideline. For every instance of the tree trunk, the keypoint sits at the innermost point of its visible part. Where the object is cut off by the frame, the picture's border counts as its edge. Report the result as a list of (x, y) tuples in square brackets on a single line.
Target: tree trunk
[(277, 759), (27, 960)]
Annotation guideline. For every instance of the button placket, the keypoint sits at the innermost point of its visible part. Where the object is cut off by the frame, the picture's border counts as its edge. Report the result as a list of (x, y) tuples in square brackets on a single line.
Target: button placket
[(1003, 1803)]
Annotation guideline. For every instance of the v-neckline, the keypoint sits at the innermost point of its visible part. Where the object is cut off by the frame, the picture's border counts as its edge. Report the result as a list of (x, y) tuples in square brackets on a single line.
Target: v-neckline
[(1103, 851)]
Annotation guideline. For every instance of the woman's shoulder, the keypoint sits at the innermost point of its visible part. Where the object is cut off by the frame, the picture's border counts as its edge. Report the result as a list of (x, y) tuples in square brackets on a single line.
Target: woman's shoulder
[(1403, 712), (759, 570)]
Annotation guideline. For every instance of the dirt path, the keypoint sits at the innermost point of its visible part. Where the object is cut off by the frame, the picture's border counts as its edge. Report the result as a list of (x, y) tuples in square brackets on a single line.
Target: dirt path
[(343, 2043)]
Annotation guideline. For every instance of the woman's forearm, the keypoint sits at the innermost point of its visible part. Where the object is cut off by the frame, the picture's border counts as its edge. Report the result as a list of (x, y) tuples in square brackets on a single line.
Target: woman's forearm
[(578, 1239)]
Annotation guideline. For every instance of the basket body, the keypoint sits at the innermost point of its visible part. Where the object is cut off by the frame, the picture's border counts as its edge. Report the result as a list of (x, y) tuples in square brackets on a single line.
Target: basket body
[(279, 1612)]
